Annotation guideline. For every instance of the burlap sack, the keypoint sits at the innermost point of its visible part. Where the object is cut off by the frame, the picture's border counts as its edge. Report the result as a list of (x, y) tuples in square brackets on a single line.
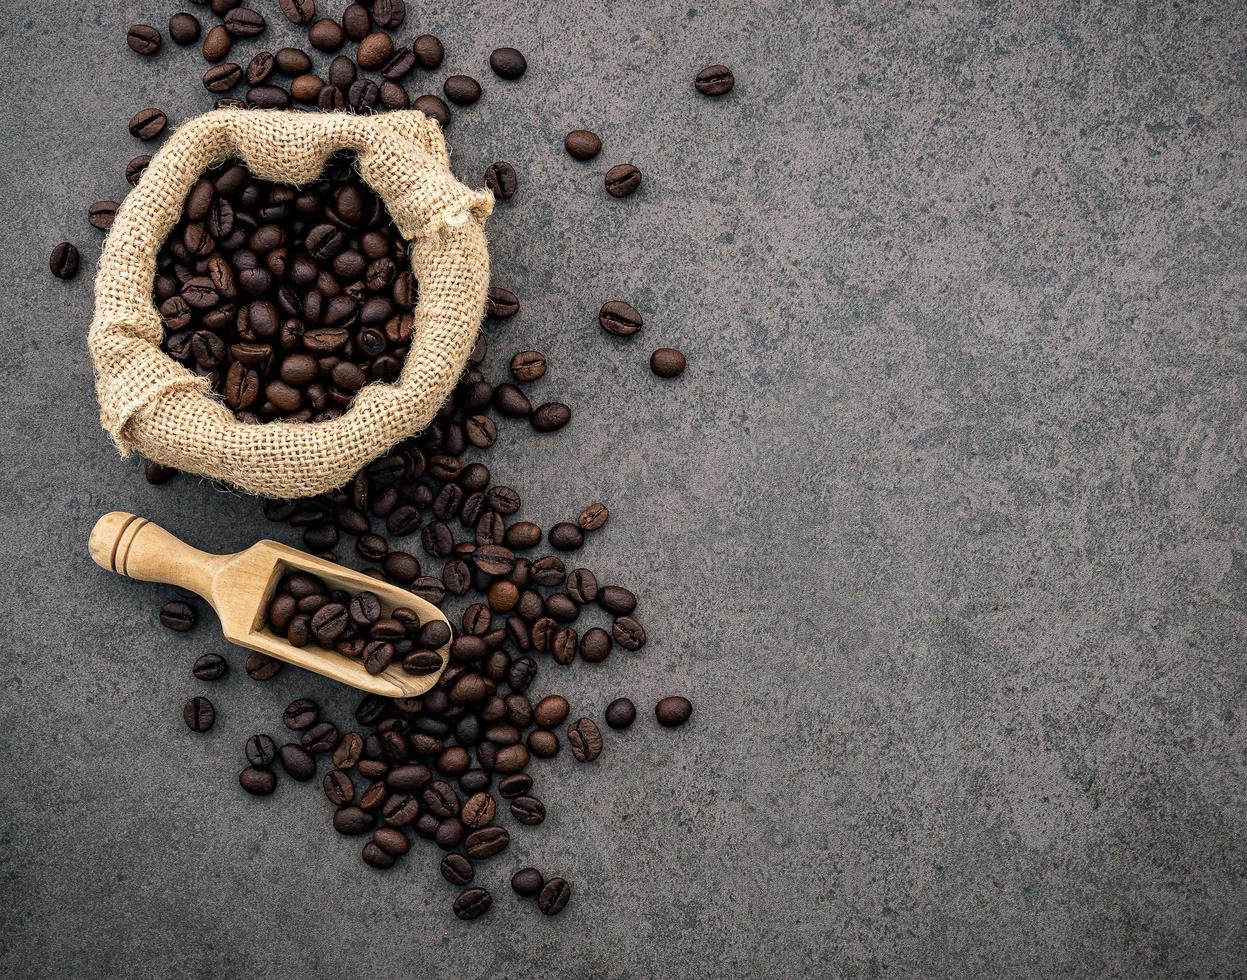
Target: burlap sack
[(151, 403)]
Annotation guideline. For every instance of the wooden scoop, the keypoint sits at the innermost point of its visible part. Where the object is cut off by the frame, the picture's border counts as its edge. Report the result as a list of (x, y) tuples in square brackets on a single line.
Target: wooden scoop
[(240, 587)]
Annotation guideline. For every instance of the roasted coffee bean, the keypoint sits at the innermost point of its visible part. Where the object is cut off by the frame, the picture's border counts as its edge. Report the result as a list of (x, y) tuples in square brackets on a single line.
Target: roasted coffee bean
[(199, 714), (528, 810), (619, 318), (155, 474), (582, 144), (543, 743), (400, 810), (507, 63), (378, 655), (550, 417), (268, 97), (326, 35), (509, 400), (449, 834), (373, 798), (411, 778), (64, 261), (515, 785), (622, 180), (210, 667), (440, 799), (434, 108), (527, 882), (511, 759), (549, 571), (562, 607), (349, 751), (364, 94), (429, 51), (292, 61), (339, 789), (328, 623), (593, 517), (184, 28), (672, 712), (551, 711), (321, 737), (617, 600), (462, 89), (620, 713), (102, 213), (500, 178), (457, 869), (389, 13), (177, 615), (297, 761), (582, 585), (244, 22), (585, 739), (136, 167), (715, 80), (554, 896), (374, 51), (667, 362), (222, 77), (260, 67), (501, 303), (628, 633), (298, 11), (394, 96), (494, 559), (300, 714), (261, 751), (478, 811), (365, 608), (565, 536), (595, 646), (375, 856), (217, 43), (486, 842), (472, 903), (143, 39), (391, 840), (563, 646), (257, 782), (352, 820)]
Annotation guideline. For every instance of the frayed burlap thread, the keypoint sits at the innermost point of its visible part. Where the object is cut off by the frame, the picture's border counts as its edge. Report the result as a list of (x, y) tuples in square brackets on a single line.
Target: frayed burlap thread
[(151, 403)]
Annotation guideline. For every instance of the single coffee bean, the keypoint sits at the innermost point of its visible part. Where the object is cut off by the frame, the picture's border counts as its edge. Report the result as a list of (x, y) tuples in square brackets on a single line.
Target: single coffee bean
[(389, 14), (457, 869), (260, 67), (257, 782), (554, 896), (300, 714), (585, 739), (528, 365), (147, 124), (501, 303), (622, 180), (261, 751), (434, 108), (595, 646), (528, 810), (565, 536), (429, 51), (593, 517), (543, 743), (715, 80), (620, 714), (199, 714), (628, 633), (500, 177), (550, 417), (267, 97), (298, 11), (349, 751), (462, 89), (507, 63), (394, 96), (184, 28), (321, 737), (177, 615), (478, 811), (210, 667), (472, 903), (244, 22), (375, 856), (527, 882), (551, 711), (136, 167), (102, 213), (400, 810), (391, 840), (222, 77), (339, 789), (143, 39), (582, 144), (292, 61), (448, 834), (326, 35), (64, 261), (619, 318), (217, 43), (486, 842), (374, 50), (617, 600), (329, 622), (667, 362), (352, 820), (509, 400), (672, 712), (262, 668), (297, 761), (515, 785)]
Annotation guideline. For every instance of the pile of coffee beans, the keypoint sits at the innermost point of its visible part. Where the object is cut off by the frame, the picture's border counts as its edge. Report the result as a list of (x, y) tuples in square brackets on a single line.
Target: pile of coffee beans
[(304, 610)]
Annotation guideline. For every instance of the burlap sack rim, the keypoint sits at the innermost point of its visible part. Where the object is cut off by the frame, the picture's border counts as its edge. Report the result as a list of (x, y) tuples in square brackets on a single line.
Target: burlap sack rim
[(457, 225)]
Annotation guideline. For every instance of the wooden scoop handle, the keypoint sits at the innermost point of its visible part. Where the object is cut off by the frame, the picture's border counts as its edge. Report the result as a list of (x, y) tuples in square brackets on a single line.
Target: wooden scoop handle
[(137, 548)]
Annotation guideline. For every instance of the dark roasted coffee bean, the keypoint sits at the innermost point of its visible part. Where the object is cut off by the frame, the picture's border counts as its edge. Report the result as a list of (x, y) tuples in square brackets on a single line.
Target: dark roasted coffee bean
[(527, 882), (375, 856), (595, 646), (620, 713), (199, 714), (260, 67), (457, 869), (300, 714), (582, 585), (507, 63), (462, 89), (244, 22), (102, 213), (549, 571), (210, 667), (472, 903), (622, 180), (373, 798), (515, 785), (389, 13), (222, 77), (715, 80), (528, 810), (257, 782), (429, 51), (268, 97), (500, 178), (501, 303), (401, 809), (298, 11), (326, 35), (297, 761), (478, 811), (365, 608), (136, 167), (585, 739), (628, 633), (550, 417), (292, 61), (528, 365), (449, 833), (543, 743), (593, 517), (509, 400), (434, 108), (619, 318), (486, 842), (554, 896), (349, 751), (261, 751), (328, 622), (667, 362), (143, 39), (374, 51), (177, 615), (351, 820), (551, 711), (565, 536), (321, 737), (217, 43), (672, 712), (582, 144), (184, 28), (391, 840), (617, 600), (339, 789), (64, 261)]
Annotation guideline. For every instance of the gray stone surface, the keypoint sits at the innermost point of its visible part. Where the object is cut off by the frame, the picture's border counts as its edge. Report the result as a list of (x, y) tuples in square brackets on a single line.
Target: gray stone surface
[(942, 530)]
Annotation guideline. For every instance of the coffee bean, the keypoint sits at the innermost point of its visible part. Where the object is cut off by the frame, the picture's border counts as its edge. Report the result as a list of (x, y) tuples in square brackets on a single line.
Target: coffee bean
[(672, 712), (527, 882), (433, 107), (177, 615), (210, 667), (143, 39), (184, 28), (462, 89), (257, 782), (528, 810), (64, 261), (501, 303), (328, 622), (617, 600), (457, 869), (478, 811), (300, 714), (622, 180), (352, 820), (620, 713), (509, 400), (244, 22), (260, 67), (472, 903), (528, 365), (217, 43), (595, 646), (507, 63), (429, 51), (486, 842), (155, 474), (389, 13), (448, 834), (267, 97), (292, 61), (582, 144), (565, 536), (550, 417), (374, 50), (628, 633), (297, 761), (500, 177), (593, 517), (619, 318), (715, 80), (298, 11), (349, 750), (585, 739), (261, 751), (136, 167), (667, 362), (222, 77), (554, 896), (147, 124), (339, 789), (551, 711), (199, 714), (543, 743), (321, 737), (326, 35), (102, 213)]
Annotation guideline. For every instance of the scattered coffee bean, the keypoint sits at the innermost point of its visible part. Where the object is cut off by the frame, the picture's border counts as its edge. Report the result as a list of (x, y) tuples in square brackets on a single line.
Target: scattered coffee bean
[(297, 761), (549, 418), (261, 751), (672, 712), (667, 362), (619, 318), (582, 144), (326, 35), (501, 179), (593, 517), (199, 714), (262, 668), (64, 261), (374, 51), (300, 714), (554, 896), (210, 667), (257, 782), (527, 882), (244, 22), (585, 739), (620, 713), (528, 365), (217, 43), (429, 51), (102, 213), (147, 124), (462, 89), (298, 12), (136, 167), (472, 903), (565, 536), (507, 63), (433, 107), (715, 80), (528, 810), (622, 180), (177, 615), (457, 869), (143, 39)]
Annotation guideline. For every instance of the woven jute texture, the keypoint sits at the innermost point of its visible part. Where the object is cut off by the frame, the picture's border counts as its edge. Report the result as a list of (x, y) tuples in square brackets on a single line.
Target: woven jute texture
[(151, 403)]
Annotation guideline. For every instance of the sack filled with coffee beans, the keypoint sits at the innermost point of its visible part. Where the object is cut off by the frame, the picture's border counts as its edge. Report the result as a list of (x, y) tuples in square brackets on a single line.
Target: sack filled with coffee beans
[(151, 403)]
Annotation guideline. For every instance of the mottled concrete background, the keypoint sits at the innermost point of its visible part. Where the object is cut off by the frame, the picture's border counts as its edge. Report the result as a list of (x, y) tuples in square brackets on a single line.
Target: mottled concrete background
[(942, 530)]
